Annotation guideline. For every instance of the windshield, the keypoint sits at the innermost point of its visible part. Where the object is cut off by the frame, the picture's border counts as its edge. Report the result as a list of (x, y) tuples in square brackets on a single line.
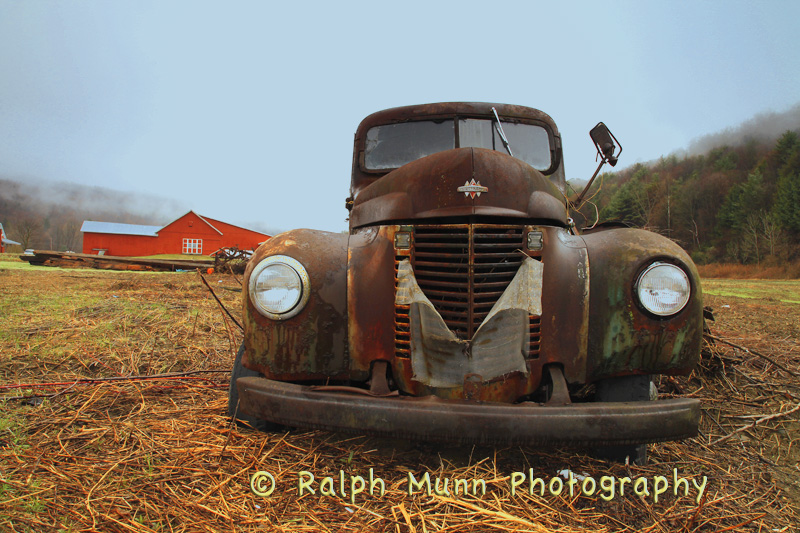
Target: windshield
[(394, 145)]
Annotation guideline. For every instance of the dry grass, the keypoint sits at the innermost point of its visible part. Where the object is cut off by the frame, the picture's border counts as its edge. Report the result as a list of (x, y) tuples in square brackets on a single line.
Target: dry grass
[(762, 271), (161, 455)]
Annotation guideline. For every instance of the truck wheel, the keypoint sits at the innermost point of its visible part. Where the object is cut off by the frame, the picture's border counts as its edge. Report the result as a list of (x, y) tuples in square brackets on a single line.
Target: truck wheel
[(624, 389), (233, 397)]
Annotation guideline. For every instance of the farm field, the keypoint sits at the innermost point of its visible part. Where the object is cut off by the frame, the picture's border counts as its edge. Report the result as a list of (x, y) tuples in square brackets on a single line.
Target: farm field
[(158, 453)]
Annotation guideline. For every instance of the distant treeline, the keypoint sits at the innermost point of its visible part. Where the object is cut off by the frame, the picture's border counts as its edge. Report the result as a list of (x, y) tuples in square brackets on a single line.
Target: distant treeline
[(735, 204), (48, 216)]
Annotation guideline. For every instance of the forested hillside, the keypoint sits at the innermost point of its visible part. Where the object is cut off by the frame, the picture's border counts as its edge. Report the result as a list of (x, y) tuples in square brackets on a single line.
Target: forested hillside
[(737, 204), (48, 216)]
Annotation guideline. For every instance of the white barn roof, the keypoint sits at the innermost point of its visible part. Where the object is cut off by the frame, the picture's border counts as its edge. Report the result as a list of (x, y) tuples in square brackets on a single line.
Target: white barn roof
[(90, 226)]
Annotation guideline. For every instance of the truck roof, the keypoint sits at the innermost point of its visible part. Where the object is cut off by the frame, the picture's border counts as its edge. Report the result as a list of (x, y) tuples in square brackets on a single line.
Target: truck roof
[(449, 109)]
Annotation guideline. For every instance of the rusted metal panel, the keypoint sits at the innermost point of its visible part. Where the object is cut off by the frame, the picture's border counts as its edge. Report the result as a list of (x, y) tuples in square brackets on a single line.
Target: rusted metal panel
[(370, 293), (623, 338), (428, 188), (313, 344), (516, 186), (565, 303), (506, 388)]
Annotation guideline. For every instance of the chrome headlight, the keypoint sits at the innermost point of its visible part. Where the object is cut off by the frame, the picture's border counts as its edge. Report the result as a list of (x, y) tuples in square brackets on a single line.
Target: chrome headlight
[(663, 289), (279, 287)]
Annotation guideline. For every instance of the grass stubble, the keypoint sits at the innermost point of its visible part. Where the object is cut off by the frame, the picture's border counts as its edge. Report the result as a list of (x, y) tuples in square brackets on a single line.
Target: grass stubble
[(161, 454)]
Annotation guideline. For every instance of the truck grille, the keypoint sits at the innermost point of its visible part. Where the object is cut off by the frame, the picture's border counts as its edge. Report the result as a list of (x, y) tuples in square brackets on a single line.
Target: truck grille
[(463, 270)]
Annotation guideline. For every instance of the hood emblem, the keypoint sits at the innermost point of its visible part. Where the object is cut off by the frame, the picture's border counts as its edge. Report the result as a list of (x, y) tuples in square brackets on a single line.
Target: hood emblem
[(472, 188)]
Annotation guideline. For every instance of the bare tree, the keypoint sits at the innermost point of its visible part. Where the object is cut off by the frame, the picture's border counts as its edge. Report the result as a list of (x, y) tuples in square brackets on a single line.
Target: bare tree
[(695, 233), (28, 231), (645, 199), (67, 233), (770, 229), (752, 232), (733, 252)]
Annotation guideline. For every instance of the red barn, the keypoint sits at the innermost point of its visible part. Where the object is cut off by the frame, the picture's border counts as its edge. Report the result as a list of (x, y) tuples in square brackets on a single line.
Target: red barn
[(190, 234)]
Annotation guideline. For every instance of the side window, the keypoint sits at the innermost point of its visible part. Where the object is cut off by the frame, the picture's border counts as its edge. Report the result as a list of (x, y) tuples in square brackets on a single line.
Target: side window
[(192, 246)]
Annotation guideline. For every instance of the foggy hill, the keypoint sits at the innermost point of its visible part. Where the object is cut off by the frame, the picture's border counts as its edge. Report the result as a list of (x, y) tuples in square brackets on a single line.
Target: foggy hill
[(733, 196), (48, 215), (764, 128)]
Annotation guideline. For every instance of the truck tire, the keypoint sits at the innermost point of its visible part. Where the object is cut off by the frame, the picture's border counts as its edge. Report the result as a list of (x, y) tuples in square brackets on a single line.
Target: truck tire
[(242, 419), (624, 389)]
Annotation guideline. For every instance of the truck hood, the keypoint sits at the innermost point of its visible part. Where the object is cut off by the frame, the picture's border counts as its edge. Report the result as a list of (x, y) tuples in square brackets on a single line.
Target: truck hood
[(492, 184)]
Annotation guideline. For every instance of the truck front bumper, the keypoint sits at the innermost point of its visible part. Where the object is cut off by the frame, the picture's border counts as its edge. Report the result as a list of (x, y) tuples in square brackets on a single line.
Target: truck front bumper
[(434, 419)]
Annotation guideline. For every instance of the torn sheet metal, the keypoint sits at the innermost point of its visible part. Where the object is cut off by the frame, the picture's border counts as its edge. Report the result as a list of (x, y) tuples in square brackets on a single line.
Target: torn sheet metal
[(440, 359)]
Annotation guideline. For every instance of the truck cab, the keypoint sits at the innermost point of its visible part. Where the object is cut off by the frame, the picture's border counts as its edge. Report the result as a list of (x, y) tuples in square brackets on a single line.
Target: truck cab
[(464, 304)]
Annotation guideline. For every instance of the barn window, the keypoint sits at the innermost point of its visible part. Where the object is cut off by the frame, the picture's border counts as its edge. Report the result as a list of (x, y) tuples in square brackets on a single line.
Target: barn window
[(192, 246)]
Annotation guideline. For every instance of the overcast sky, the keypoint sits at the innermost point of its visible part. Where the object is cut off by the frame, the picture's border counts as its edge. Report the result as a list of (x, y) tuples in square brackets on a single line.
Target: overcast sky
[(245, 111)]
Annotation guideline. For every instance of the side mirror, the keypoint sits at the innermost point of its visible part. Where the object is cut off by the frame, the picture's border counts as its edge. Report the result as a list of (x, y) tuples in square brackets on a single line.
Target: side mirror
[(606, 143)]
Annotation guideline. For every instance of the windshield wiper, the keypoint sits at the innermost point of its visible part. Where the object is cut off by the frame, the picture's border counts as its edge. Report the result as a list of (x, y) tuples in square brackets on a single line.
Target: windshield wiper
[(500, 131)]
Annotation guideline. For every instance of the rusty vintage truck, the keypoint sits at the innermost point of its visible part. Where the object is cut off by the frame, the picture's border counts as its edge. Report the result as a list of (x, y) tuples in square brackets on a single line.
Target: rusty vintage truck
[(464, 304)]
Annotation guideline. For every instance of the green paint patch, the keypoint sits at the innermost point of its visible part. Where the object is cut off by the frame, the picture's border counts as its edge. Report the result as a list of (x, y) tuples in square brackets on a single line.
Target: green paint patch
[(785, 291)]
